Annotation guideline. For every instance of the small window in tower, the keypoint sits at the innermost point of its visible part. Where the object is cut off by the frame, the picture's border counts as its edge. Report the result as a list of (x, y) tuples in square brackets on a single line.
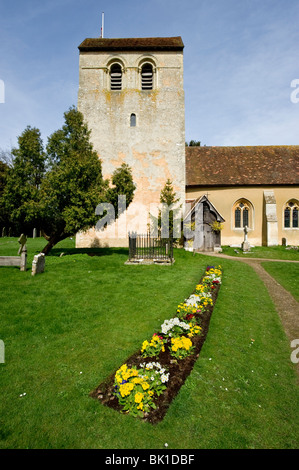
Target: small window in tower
[(147, 77), (133, 120), (115, 77)]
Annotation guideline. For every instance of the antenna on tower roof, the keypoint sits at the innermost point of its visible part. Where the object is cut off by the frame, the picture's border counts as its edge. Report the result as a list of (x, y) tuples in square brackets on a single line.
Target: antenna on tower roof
[(102, 28)]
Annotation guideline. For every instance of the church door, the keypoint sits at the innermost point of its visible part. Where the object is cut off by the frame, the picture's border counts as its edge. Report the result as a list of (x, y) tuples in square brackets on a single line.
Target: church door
[(208, 235), (208, 238)]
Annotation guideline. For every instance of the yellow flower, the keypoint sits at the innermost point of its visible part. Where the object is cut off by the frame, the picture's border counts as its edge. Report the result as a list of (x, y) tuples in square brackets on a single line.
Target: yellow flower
[(138, 397), (136, 380), (144, 385), (126, 389), (181, 343), (144, 345)]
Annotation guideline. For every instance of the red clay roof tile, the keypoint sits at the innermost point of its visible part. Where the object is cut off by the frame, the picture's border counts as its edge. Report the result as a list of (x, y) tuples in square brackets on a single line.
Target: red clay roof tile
[(257, 165), (127, 44)]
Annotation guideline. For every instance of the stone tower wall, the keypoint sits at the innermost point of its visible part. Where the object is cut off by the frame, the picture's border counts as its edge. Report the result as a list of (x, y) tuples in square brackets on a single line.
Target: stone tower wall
[(154, 148)]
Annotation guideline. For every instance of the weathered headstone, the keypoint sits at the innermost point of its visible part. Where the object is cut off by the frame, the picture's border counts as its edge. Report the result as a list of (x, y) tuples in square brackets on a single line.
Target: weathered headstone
[(34, 233), (38, 264), (23, 252), (2, 352), (17, 260)]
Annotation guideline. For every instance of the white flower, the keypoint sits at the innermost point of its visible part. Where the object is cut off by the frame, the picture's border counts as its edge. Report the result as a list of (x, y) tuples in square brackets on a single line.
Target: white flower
[(164, 378)]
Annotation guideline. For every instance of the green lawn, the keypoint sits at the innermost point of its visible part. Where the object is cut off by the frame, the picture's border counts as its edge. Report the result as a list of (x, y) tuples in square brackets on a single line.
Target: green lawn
[(267, 252), (69, 328), (287, 274)]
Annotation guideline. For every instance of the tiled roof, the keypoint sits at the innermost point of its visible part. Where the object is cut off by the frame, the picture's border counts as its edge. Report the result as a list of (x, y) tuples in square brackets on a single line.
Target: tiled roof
[(129, 44), (238, 166)]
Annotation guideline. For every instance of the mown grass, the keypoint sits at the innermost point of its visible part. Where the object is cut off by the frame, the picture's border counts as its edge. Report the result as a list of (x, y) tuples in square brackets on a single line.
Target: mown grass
[(287, 274), (69, 328), (267, 252)]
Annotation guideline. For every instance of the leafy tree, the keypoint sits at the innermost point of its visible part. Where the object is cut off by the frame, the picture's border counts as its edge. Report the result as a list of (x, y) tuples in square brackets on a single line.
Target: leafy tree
[(3, 176), (4, 218), (23, 180), (74, 186), (122, 184), (59, 190), (6, 157), (194, 143)]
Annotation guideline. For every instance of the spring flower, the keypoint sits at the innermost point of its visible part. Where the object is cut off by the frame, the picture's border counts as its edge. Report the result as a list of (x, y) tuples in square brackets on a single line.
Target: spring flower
[(164, 378), (126, 389), (181, 343), (172, 323), (138, 397)]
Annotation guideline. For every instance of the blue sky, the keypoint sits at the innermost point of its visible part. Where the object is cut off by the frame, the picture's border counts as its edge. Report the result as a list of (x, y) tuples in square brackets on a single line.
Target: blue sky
[(240, 59)]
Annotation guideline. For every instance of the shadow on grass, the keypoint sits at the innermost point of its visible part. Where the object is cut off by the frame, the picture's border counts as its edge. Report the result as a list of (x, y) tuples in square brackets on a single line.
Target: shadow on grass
[(88, 251)]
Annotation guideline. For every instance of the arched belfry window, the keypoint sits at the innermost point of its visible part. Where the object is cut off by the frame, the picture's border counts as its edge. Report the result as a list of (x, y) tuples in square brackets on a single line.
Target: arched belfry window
[(116, 77), (242, 214), (291, 214), (147, 76)]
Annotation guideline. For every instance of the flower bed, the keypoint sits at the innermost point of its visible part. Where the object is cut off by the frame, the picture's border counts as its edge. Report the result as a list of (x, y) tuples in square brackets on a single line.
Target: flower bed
[(147, 382)]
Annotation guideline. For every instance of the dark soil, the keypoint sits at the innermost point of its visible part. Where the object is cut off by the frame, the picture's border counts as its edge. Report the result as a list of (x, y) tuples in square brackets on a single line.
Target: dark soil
[(178, 370)]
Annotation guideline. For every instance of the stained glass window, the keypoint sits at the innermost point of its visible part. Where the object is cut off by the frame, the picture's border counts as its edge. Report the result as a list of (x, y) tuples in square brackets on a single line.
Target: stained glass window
[(291, 215), (238, 217)]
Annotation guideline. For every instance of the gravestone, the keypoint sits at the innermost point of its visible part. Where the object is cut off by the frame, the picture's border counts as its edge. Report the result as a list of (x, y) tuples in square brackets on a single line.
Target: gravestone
[(2, 352), (17, 260), (38, 264), (23, 252), (245, 244)]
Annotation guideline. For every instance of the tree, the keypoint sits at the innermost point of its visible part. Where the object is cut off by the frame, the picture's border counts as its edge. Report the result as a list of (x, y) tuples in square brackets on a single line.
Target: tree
[(6, 157), (193, 143), (3, 177), (23, 179), (166, 216), (58, 190), (122, 184), (74, 185)]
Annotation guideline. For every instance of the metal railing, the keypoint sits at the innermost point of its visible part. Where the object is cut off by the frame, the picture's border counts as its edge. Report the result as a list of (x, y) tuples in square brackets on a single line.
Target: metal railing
[(145, 247)]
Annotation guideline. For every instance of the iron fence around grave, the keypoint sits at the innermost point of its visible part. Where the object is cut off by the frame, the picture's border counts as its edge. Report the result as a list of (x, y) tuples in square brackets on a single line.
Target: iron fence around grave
[(146, 247)]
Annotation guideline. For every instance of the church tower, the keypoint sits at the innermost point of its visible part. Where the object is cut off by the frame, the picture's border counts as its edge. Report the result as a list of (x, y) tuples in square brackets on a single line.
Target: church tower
[(132, 97)]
